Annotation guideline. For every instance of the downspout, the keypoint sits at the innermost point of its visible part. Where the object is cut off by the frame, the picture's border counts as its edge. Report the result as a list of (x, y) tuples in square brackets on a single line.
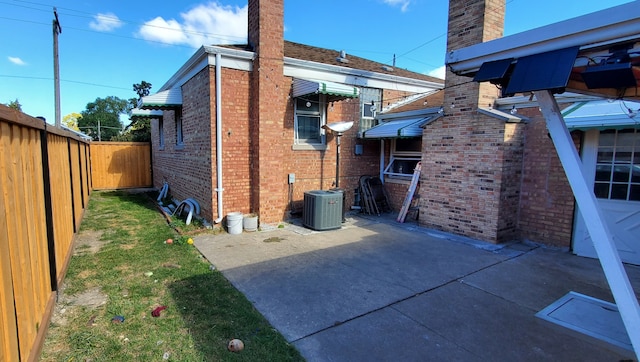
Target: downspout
[(219, 189)]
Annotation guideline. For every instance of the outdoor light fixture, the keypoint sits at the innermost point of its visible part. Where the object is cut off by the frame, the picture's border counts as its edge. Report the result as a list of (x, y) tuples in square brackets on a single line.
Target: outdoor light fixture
[(338, 128)]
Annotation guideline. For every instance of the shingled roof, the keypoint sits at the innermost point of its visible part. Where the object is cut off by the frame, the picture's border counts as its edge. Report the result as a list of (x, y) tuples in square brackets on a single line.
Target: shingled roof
[(329, 56)]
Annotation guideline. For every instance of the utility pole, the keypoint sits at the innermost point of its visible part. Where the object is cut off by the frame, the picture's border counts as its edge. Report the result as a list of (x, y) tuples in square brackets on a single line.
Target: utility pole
[(57, 29)]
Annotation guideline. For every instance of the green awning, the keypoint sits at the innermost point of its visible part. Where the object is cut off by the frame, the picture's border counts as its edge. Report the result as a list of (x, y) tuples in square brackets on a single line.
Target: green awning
[(137, 113), (303, 87)]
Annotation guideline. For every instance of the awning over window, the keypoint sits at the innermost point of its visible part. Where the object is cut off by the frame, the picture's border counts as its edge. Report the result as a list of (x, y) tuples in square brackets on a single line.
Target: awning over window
[(602, 115), (411, 127), (302, 87), (168, 99), (137, 113)]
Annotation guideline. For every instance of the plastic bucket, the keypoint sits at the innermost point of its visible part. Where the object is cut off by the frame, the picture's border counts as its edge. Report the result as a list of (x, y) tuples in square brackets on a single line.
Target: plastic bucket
[(250, 222), (234, 223)]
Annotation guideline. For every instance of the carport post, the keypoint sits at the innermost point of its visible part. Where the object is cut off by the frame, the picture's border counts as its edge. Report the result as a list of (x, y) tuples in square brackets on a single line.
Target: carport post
[(598, 230)]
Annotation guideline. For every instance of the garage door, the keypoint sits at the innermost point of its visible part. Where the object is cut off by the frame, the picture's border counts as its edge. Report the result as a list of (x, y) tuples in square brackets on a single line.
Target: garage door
[(611, 161)]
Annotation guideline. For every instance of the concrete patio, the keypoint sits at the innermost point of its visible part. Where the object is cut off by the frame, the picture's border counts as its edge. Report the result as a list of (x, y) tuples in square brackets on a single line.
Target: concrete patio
[(379, 290)]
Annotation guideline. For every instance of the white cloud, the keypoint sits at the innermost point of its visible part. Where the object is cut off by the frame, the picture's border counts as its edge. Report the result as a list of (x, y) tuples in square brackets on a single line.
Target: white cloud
[(105, 22), (17, 61), (438, 72), (403, 4), (205, 24)]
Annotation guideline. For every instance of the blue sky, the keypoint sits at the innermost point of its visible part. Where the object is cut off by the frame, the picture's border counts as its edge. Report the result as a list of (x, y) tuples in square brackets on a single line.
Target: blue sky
[(107, 46)]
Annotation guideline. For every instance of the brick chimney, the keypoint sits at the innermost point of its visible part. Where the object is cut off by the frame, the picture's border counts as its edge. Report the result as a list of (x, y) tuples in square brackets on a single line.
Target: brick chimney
[(266, 36), (471, 163)]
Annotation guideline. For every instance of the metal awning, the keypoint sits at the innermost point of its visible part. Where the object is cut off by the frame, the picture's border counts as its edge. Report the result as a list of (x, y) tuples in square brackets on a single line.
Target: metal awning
[(602, 115), (137, 113), (411, 127), (168, 99), (303, 87)]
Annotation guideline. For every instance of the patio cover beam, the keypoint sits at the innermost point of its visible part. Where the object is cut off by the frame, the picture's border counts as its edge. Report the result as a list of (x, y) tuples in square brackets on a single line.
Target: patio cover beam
[(588, 205)]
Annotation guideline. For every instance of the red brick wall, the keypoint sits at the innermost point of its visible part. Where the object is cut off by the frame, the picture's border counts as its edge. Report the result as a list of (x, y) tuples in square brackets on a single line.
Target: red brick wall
[(187, 168), (236, 135), (546, 201)]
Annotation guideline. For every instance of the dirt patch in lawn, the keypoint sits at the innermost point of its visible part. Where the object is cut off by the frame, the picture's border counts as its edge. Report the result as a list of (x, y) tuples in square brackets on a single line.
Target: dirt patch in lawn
[(68, 305), (88, 242)]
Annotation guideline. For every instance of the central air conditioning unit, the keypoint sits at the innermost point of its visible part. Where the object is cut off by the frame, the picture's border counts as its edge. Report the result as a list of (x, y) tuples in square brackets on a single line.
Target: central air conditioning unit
[(322, 209)]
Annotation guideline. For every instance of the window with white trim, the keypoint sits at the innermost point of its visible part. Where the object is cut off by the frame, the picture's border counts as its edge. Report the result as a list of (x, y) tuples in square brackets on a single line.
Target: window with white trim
[(618, 165), (405, 155), (178, 118), (310, 113)]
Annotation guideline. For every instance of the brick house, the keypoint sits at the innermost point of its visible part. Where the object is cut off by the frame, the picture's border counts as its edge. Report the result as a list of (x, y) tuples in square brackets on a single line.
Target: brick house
[(487, 173), (238, 120)]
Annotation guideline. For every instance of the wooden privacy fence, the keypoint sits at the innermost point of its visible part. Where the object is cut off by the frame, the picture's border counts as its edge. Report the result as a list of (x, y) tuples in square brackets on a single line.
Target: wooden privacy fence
[(118, 165), (44, 189)]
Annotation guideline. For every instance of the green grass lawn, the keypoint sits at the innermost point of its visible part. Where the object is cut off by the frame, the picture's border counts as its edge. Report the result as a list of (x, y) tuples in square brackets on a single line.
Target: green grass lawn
[(123, 267)]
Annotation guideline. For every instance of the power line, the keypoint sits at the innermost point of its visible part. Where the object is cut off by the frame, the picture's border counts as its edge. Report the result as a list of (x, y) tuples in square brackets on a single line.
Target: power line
[(63, 80), (436, 38)]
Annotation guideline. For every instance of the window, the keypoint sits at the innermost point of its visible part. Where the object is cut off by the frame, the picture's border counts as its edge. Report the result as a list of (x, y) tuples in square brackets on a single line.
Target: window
[(309, 119), (405, 155), (161, 132), (178, 118), (618, 165), (370, 100)]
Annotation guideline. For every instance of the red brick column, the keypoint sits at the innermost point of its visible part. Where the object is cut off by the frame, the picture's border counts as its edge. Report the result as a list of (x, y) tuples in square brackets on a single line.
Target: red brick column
[(268, 182)]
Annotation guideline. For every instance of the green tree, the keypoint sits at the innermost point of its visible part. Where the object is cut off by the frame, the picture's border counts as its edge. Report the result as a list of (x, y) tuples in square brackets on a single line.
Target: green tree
[(139, 130), (15, 105), (142, 89), (101, 119), (71, 120)]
